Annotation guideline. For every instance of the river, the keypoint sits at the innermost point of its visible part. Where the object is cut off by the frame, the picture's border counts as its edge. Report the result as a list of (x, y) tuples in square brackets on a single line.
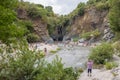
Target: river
[(72, 56)]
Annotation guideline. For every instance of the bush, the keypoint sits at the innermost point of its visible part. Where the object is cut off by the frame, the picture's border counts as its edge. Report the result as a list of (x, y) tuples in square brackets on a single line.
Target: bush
[(32, 37), (116, 47), (58, 49), (19, 65), (37, 12), (53, 51), (96, 33), (81, 9), (117, 36), (75, 39), (91, 2), (110, 65), (101, 53), (88, 35), (29, 26), (102, 6), (28, 65)]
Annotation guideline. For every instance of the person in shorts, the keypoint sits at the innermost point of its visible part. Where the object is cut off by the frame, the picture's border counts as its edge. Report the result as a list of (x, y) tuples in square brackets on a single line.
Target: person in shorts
[(89, 67)]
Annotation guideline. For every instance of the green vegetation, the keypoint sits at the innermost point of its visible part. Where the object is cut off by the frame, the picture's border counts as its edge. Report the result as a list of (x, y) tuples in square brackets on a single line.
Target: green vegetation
[(114, 17), (37, 12), (49, 11), (88, 35), (9, 28), (58, 49), (116, 46), (52, 24), (55, 51), (102, 53), (102, 6), (75, 39), (80, 9), (110, 65), (28, 65), (33, 37), (17, 62)]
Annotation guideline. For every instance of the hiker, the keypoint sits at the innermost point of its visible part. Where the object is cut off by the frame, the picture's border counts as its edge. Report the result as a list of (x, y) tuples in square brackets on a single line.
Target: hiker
[(45, 51), (89, 67)]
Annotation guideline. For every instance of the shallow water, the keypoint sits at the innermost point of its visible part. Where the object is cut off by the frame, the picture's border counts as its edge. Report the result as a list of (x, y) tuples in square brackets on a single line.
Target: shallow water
[(72, 56)]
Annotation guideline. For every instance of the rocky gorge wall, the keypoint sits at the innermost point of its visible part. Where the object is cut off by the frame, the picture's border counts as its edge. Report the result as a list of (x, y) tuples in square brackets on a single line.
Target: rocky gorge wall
[(40, 27), (91, 20)]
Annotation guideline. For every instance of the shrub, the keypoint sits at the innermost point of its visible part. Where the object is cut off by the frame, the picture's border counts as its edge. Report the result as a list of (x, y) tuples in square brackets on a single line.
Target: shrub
[(27, 65), (96, 33), (37, 12), (88, 35), (102, 52), (81, 9), (116, 47), (53, 51), (18, 65), (90, 2), (58, 49), (102, 6), (32, 37), (75, 39), (110, 65), (55, 71), (29, 26), (80, 70)]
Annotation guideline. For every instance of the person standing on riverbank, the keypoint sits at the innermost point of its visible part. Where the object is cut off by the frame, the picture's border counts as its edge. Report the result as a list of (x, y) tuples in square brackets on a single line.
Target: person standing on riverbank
[(89, 67), (45, 51)]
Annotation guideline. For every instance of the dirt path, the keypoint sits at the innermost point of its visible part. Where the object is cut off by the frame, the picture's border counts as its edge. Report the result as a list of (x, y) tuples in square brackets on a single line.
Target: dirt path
[(97, 75)]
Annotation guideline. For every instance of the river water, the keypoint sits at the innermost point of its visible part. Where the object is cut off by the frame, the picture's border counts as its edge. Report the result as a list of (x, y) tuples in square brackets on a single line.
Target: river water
[(72, 56)]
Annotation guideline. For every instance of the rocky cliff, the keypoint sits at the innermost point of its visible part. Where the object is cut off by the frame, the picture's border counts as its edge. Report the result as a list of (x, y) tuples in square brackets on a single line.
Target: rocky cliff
[(91, 20), (39, 26)]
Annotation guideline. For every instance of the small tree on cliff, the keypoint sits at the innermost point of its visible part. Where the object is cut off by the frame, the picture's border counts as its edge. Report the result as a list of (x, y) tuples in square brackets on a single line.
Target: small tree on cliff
[(114, 15)]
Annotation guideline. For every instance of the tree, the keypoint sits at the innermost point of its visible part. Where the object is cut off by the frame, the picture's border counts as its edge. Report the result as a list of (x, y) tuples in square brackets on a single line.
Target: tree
[(49, 8), (9, 29), (81, 8), (114, 15)]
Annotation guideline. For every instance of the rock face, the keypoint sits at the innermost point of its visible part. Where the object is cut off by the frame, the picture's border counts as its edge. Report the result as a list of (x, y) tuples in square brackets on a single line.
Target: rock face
[(40, 27), (108, 35), (91, 20)]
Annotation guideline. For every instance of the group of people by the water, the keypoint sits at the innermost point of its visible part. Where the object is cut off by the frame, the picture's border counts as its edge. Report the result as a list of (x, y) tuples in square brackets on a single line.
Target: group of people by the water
[(44, 47)]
